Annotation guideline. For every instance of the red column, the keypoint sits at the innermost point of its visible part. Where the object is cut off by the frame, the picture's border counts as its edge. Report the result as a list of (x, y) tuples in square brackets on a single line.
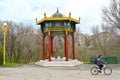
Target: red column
[(66, 45), (73, 47), (49, 46), (43, 47)]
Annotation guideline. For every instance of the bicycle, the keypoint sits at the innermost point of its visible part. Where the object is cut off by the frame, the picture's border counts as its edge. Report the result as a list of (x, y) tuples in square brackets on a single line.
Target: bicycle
[(107, 70)]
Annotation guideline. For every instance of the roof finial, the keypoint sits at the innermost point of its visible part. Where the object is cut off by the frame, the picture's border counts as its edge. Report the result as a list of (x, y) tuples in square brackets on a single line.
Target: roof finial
[(79, 18), (69, 14), (36, 19), (57, 10), (44, 15)]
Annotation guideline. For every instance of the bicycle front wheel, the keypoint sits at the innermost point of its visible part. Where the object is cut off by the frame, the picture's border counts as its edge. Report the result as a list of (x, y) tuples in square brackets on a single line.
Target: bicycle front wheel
[(107, 71), (94, 70)]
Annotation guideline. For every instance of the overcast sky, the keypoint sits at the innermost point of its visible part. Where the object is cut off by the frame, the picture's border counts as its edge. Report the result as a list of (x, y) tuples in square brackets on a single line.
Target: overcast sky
[(27, 10)]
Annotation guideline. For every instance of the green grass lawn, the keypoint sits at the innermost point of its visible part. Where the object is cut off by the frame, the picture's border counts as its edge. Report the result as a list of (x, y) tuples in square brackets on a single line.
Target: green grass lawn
[(10, 65)]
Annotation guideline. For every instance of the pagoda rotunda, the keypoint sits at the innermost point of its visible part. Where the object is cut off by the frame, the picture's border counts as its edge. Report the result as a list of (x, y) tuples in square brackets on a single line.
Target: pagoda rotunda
[(57, 24)]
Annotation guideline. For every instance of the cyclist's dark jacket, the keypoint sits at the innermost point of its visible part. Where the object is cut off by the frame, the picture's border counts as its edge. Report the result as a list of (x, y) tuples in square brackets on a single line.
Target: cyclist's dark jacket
[(99, 61)]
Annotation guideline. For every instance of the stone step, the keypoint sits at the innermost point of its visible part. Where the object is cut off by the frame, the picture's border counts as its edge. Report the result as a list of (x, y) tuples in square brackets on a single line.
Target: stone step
[(59, 62)]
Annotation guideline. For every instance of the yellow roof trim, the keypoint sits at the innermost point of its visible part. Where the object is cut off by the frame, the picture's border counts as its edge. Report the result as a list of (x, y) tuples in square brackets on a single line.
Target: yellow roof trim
[(54, 19)]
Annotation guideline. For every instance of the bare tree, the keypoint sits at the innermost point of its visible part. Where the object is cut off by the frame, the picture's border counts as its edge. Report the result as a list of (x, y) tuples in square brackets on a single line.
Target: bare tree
[(98, 38), (22, 43), (111, 14)]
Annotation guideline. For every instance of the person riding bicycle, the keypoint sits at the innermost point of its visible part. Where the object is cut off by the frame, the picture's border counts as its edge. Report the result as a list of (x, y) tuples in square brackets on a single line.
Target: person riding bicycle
[(99, 62)]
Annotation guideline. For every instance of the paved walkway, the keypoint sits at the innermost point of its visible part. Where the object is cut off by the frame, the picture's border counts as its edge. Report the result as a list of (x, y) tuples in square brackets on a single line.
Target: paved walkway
[(34, 72)]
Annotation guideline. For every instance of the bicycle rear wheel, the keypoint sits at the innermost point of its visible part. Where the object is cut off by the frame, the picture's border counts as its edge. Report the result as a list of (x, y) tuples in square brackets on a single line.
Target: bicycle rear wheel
[(107, 71), (94, 70)]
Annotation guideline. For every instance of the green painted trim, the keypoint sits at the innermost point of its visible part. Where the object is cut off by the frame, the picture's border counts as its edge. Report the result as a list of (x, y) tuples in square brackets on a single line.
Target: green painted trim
[(58, 28)]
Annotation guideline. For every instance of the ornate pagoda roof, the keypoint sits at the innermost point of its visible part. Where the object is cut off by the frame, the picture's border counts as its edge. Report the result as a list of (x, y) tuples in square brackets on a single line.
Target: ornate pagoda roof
[(57, 17)]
